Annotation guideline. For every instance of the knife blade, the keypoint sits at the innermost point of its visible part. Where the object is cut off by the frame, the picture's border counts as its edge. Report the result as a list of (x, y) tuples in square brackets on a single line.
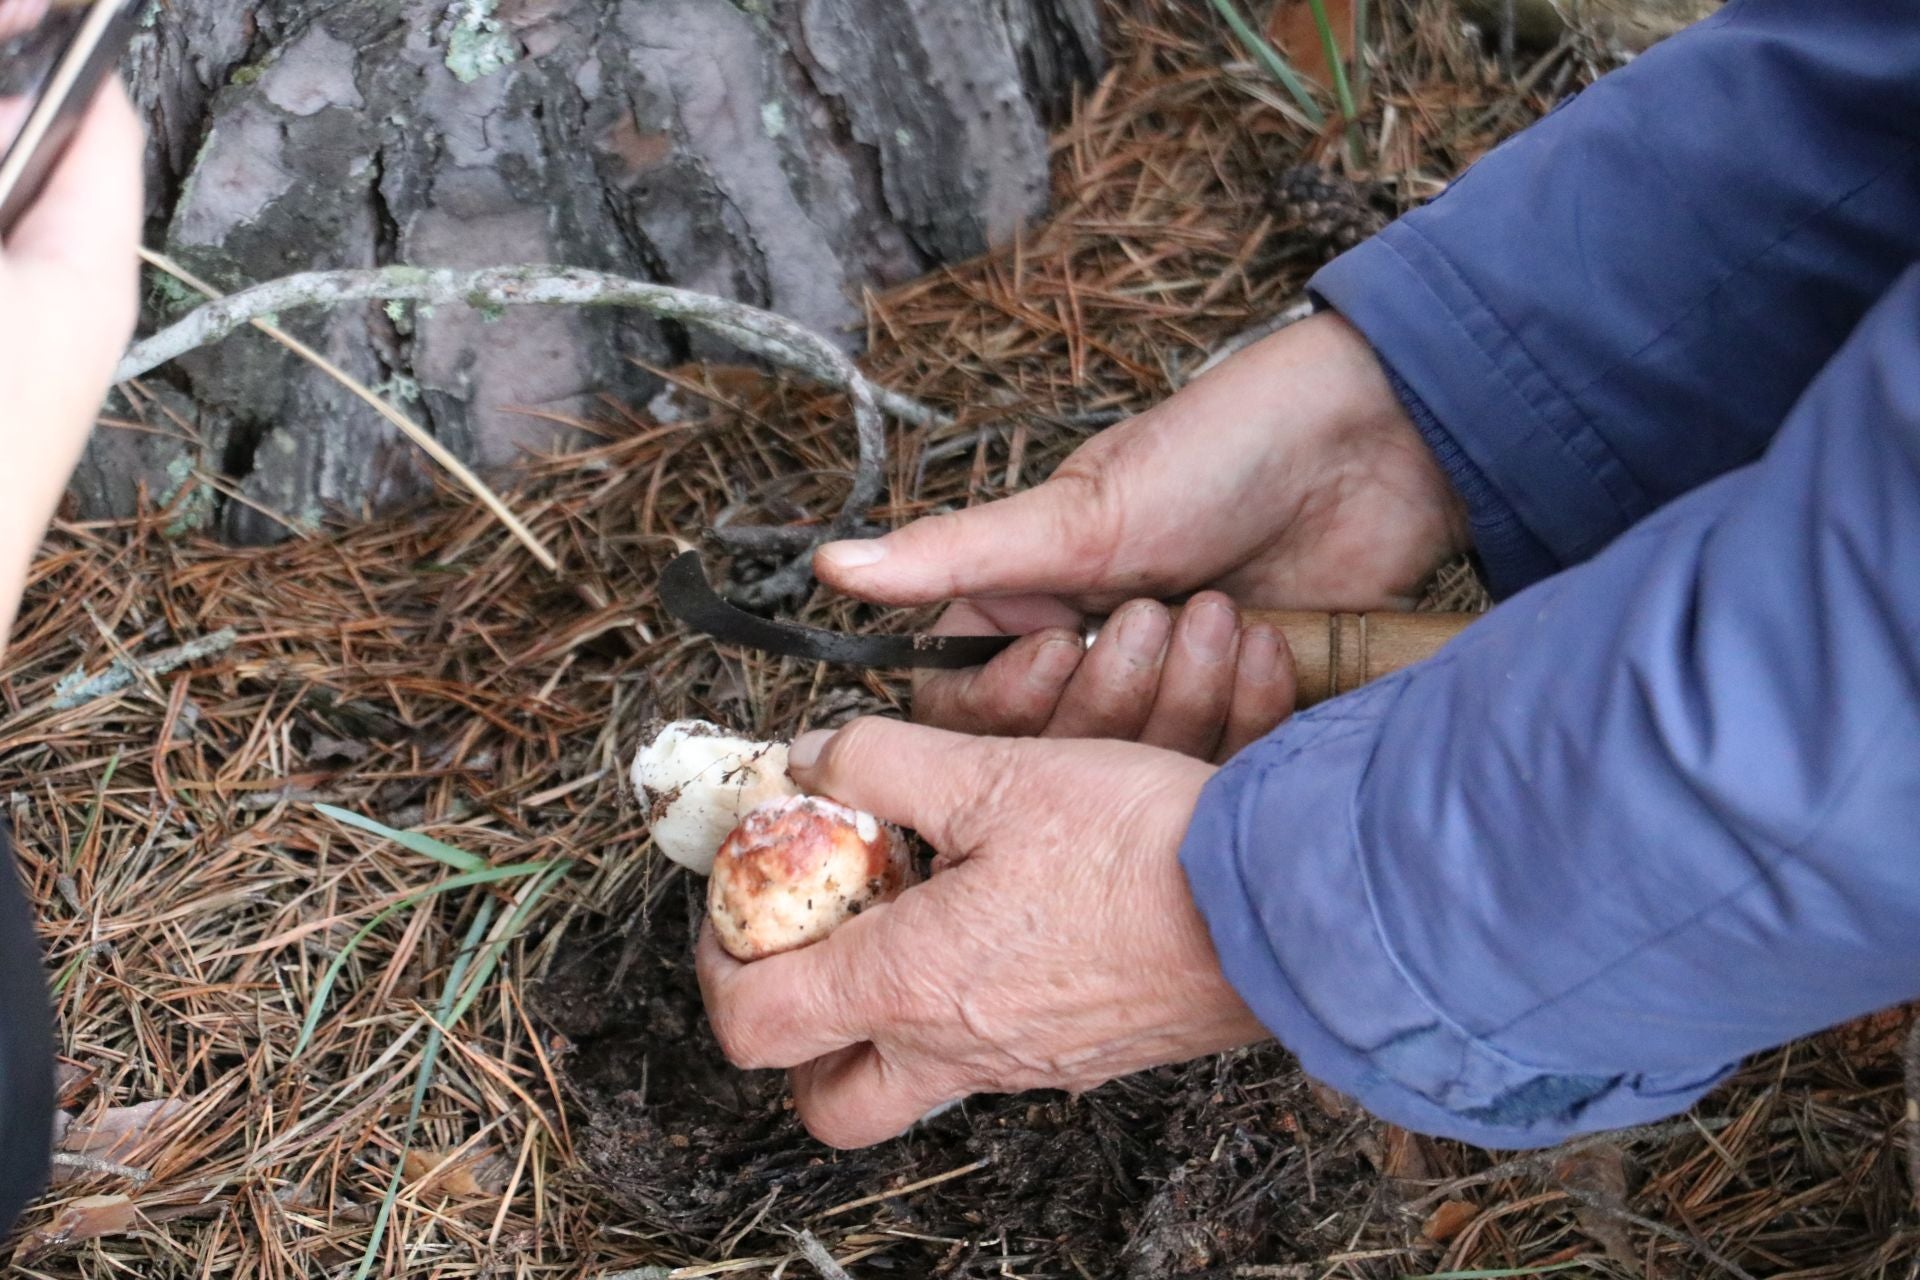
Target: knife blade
[(688, 595)]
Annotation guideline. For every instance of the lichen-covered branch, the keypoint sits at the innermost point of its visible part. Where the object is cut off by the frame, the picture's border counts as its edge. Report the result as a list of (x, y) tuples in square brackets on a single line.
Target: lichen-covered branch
[(762, 333), (79, 689)]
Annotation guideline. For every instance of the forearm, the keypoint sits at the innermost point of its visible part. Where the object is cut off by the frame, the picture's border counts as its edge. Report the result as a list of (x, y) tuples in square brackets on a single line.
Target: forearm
[(1650, 816), (1624, 301)]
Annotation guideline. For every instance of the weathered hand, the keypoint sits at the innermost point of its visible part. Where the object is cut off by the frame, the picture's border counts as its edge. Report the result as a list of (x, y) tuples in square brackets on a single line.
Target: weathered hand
[(1056, 945), (1289, 477), (1200, 684)]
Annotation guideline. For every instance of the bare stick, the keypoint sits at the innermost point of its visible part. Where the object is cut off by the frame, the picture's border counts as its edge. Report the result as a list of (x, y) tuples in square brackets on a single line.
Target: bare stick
[(96, 1165), (401, 422), (77, 690), (762, 333), (817, 1254)]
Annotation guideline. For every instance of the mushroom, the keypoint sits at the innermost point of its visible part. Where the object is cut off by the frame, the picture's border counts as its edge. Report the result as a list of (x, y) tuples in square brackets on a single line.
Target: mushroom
[(790, 868), (699, 780), (795, 870)]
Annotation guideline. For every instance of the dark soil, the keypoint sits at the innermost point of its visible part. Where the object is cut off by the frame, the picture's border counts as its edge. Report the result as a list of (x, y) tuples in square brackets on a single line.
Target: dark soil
[(1179, 1172)]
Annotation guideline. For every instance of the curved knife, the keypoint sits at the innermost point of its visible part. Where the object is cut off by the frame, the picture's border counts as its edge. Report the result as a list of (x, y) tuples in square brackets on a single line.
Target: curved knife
[(688, 596), (1332, 652)]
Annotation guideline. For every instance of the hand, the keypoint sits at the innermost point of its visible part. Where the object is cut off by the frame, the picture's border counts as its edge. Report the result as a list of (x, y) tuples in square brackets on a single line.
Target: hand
[(1056, 945), (1200, 685), (1289, 477), (69, 278)]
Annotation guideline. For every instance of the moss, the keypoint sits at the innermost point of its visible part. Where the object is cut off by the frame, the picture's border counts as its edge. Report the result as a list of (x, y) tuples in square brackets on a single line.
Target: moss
[(478, 46), (400, 389), (171, 297), (489, 308), (196, 511)]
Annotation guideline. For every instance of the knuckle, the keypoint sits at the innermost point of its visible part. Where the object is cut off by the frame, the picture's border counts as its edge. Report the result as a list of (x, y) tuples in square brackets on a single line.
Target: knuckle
[(944, 700), (831, 1129), (740, 1040), (1088, 519), (734, 1045)]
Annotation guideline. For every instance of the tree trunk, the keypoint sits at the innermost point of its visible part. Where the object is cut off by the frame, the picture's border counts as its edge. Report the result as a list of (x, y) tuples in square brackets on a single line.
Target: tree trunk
[(781, 152)]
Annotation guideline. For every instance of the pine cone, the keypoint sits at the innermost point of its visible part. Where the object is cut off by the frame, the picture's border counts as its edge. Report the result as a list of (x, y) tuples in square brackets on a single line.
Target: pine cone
[(1329, 211)]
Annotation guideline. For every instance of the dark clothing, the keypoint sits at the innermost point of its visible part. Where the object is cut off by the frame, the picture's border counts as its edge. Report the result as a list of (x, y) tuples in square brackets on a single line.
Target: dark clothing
[(26, 1050)]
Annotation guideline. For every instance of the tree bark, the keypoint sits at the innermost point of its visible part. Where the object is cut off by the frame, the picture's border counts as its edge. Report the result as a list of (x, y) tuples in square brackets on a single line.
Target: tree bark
[(784, 153)]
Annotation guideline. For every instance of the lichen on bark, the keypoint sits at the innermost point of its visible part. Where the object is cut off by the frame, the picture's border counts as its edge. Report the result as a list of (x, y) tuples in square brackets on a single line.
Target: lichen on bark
[(630, 136)]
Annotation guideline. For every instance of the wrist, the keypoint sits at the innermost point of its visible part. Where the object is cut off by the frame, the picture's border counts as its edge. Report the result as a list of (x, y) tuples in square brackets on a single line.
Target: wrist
[(1373, 433), (1376, 514)]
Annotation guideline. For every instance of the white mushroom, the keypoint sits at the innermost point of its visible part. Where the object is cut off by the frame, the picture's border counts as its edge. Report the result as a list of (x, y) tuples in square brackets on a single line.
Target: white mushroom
[(699, 781)]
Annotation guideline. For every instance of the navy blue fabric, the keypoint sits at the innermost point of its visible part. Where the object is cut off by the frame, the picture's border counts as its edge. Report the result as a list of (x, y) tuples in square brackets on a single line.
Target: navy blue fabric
[(1656, 812), (1661, 808), (26, 1051), (1624, 301)]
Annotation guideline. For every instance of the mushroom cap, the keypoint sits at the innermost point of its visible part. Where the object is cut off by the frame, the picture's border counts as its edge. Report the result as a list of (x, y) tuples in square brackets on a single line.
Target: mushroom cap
[(698, 780), (796, 869)]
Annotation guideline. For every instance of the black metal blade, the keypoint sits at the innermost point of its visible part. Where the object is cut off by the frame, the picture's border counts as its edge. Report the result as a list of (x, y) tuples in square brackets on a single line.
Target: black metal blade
[(690, 597)]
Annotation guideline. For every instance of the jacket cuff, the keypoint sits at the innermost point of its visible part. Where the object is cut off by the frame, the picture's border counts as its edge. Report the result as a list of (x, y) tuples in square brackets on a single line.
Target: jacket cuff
[(1543, 490), (1272, 861)]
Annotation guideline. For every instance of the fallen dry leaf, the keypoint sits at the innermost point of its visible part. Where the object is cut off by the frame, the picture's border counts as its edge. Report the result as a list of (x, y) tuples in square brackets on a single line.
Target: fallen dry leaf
[(1448, 1220), (1408, 1157), (1332, 1103), (484, 1171), (117, 1132), (1296, 34), (1598, 1176), (87, 1218)]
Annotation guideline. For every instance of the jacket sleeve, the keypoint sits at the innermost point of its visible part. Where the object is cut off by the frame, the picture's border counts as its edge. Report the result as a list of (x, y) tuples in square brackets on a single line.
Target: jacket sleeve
[(1624, 301), (1652, 814)]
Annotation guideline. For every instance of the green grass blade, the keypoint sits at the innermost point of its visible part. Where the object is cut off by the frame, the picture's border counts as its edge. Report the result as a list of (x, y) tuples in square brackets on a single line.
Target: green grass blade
[(429, 1059), (1262, 49), (1361, 72), (93, 814), (490, 875), (1330, 45), (483, 972), (426, 846)]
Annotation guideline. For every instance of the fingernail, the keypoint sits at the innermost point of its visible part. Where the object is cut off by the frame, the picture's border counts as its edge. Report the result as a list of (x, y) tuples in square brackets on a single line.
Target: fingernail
[(1260, 655), (1210, 629), (1143, 632), (805, 750), (1054, 662), (853, 555)]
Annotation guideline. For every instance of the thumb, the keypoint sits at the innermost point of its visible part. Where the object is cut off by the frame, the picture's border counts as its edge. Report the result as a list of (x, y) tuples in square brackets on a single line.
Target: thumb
[(1055, 539), (926, 779)]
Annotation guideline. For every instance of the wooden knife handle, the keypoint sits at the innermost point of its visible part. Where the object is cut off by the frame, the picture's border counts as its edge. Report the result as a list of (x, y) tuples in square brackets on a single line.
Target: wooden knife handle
[(1335, 653)]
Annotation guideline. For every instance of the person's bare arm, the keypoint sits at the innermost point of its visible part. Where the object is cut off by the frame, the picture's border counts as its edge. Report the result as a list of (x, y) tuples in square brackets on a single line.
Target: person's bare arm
[(69, 277)]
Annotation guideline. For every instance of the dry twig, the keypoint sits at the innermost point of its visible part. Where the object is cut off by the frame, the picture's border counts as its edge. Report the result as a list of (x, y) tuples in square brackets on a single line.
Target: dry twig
[(763, 333), (77, 690)]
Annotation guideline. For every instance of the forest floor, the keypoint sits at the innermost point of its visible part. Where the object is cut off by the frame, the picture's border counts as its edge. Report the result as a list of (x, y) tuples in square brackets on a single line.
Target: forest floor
[(255, 997)]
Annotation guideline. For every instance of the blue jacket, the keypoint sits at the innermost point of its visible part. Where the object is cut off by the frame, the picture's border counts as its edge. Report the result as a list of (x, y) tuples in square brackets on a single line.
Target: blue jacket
[(1661, 808)]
